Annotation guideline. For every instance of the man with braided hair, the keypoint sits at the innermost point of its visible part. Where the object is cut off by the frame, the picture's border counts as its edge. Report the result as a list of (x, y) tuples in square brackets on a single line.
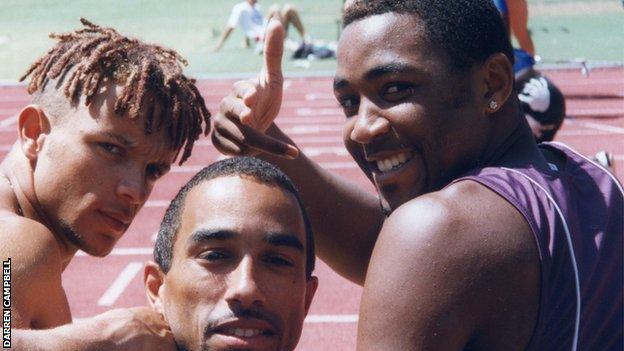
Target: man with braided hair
[(109, 116)]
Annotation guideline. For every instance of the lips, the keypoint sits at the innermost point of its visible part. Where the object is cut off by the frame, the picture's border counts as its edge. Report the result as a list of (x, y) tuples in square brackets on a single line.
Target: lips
[(117, 221), (247, 333)]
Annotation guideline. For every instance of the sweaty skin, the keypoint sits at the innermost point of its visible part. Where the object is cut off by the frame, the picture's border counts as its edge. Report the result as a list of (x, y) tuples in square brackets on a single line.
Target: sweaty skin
[(438, 276), (75, 182)]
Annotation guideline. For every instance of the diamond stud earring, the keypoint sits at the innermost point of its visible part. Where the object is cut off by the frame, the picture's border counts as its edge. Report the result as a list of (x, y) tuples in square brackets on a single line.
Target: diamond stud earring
[(493, 105)]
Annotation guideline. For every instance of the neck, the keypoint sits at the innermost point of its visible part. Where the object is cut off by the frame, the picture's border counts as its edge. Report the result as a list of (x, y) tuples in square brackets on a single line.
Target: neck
[(20, 196), (515, 148)]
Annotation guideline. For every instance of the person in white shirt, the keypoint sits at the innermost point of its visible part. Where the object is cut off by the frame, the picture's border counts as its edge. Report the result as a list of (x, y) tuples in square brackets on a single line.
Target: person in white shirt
[(247, 14)]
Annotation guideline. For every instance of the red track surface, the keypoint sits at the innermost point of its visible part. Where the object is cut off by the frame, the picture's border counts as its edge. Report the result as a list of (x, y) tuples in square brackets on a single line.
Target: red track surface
[(310, 115)]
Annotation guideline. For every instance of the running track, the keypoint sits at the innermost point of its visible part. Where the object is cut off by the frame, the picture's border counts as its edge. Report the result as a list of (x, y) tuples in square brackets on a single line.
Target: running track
[(310, 115)]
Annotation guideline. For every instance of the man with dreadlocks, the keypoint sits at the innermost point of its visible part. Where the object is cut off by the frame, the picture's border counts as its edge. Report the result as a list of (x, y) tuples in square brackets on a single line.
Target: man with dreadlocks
[(109, 115), (489, 240)]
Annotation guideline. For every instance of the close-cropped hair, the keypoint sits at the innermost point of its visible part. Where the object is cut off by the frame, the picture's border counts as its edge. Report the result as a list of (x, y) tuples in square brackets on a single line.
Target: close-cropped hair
[(469, 31), (151, 77), (254, 168)]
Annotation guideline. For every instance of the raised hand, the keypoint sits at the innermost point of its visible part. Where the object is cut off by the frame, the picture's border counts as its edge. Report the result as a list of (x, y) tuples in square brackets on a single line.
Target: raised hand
[(252, 106)]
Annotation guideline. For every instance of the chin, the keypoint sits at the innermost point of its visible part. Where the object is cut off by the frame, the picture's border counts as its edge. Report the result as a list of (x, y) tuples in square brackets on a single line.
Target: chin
[(101, 248)]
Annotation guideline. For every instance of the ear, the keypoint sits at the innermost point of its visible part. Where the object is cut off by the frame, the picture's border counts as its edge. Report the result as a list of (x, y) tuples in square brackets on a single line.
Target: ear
[(499, 79), (33, 127), (153, 277), (311, 286)]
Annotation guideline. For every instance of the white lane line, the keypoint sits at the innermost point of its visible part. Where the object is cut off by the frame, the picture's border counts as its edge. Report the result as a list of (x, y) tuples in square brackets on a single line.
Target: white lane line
[(331, 318), (600, 126), (120, 284), (125, 251), (312, 129), (319, 96), (157, 203), (327, 111), (8, 121)]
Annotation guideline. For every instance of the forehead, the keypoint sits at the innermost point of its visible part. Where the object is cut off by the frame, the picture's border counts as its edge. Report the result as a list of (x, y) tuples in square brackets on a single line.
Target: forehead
[(243, 205), (385, 39), (100, 118)]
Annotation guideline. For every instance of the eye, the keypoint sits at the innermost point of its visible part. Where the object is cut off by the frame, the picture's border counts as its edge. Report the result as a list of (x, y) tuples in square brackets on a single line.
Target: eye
[(214, 255), (278, 260), (111, 148), (349, 105), (396, 92), (155, 171)]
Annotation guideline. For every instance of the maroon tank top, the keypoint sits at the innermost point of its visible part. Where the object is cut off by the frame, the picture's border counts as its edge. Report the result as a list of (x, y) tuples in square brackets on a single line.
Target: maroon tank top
[(577, 217)]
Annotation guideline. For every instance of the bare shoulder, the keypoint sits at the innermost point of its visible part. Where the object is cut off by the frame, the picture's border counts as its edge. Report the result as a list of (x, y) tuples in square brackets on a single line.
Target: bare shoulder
[(460, 265), (467, 213), (29, 243), (38, 298)]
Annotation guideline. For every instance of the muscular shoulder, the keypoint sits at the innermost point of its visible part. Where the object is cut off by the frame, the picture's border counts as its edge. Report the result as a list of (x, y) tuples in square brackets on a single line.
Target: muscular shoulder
[(29, 243), (456, 263), (465, 212), (37, 295)]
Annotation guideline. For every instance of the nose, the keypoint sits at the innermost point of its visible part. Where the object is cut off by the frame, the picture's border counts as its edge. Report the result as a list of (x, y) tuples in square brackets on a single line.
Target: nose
[(369, 124), (244, 289), (133, 187)]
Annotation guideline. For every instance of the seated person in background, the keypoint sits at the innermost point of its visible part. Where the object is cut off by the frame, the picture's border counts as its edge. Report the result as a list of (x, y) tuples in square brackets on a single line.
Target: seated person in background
[(248, 16), (109, 116), (234, 260), (541, 100)]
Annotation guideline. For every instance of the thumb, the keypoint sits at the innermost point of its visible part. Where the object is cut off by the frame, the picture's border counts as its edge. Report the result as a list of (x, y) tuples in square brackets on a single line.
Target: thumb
[(273, 51)]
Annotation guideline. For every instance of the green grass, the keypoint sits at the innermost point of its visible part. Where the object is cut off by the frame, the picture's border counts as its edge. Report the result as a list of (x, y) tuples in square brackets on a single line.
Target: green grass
[(190, 27)]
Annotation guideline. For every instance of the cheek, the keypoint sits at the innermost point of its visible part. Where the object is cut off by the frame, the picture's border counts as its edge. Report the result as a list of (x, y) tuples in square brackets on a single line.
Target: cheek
[(186, 308)]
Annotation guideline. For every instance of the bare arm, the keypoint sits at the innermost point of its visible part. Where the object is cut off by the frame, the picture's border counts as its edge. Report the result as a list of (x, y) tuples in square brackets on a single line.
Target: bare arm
[(124, 329), (449, 274), (39, 307), (224, 35), (345, 219), (518, 22)]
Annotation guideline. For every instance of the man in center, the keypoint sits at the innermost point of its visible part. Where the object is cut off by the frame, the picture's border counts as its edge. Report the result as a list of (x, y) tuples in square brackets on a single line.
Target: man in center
[(234, 260)]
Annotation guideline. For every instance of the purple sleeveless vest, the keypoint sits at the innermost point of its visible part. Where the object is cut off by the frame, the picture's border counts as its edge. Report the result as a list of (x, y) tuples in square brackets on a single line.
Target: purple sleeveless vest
[(577, 217)]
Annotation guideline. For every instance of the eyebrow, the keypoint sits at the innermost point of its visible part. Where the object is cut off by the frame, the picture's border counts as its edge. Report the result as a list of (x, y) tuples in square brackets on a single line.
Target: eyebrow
[(390, 68), (204, 235), (288, 240), (274, 239), (378, 71), (126, 142), (340, 83)]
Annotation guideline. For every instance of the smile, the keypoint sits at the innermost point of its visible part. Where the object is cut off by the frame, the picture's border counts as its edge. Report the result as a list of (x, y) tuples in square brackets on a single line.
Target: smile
[(243, 332), (393, 162)]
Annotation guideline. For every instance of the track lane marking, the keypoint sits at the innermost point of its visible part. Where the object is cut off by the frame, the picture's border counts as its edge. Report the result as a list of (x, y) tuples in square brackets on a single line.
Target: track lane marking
[(120, 284)]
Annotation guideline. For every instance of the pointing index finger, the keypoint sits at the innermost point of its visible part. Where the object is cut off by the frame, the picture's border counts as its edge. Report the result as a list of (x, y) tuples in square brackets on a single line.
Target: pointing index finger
[(273, 51)]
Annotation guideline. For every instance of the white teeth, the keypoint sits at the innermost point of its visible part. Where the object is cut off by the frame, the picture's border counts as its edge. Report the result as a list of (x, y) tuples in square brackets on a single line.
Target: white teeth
[(393, 161), (402, 158), (247, 333)]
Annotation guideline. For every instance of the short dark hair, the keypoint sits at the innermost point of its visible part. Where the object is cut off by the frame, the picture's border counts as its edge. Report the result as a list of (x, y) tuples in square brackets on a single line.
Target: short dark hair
[(469, 31), (83, 60), (241, 166)]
